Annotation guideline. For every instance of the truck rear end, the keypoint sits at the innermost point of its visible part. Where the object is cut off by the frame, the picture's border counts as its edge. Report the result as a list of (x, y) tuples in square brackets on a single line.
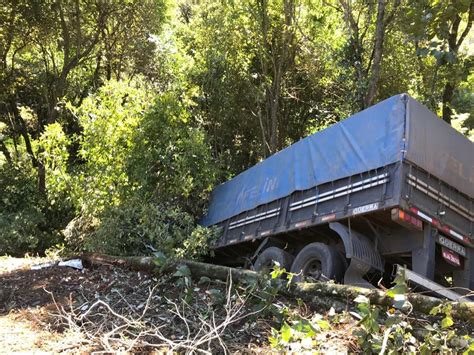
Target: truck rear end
[(438, 189)]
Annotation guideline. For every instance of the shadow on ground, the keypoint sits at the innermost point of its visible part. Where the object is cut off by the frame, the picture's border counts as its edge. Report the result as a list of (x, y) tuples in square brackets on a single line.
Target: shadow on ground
[(28, 288)]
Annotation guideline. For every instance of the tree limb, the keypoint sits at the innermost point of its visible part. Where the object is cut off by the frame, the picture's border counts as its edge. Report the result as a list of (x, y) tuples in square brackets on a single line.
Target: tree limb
[(23, 131), (378, 52), (6, 153), (10, 33), (468, 26), (391, 14)]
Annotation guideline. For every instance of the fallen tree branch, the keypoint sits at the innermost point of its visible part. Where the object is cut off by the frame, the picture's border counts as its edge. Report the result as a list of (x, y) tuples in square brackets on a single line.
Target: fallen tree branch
[(175, 326), (313, 292)]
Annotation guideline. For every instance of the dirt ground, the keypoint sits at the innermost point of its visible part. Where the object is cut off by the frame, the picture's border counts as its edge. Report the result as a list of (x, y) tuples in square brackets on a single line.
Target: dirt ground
[(29, 302), (107, 308), (25, 306)]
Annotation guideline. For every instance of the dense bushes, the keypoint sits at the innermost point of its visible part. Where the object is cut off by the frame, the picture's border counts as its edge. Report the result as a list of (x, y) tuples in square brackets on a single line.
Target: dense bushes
[(139, 226), (21, 215), (141, 178), (28, 223), (109, 120), (145, 177), (171, 162)]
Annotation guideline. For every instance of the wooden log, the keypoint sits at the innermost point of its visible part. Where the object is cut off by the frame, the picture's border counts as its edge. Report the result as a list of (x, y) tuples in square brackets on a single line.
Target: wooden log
[(312, 292), (147, 263), (139, 263)]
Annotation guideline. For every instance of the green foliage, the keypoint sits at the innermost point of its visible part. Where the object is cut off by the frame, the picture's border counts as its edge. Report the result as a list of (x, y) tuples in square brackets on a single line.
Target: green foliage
[(29, 220), (171, 161), (277, 272), (463, 104), (53, 52), (441, 337), (148, 181), (299, 334), (22, 220), (399, 289), (377, 329), (160, 260), (235, 47), (368, 335), (129, 227), (109, 121), (440, 31), (53, 146), (184, 277), (393, 330), (445, 310)]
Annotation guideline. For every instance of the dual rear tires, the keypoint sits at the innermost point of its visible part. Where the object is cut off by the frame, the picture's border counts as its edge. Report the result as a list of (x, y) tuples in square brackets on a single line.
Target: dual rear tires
[(315, 262), (266, 260)]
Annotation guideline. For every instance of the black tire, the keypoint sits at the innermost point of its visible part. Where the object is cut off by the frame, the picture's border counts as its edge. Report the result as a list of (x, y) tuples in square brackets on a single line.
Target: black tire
[(318, 262), (266, 259)]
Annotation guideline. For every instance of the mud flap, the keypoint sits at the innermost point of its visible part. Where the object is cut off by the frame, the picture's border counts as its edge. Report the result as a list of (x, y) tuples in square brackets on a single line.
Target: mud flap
[(362, 252)]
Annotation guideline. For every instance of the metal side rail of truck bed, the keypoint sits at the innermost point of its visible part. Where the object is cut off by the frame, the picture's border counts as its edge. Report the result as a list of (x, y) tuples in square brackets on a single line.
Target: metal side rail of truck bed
[(353, 196)]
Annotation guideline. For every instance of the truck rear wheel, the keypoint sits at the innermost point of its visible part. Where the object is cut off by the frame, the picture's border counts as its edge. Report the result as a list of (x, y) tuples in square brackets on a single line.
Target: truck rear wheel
[(265, 261), (318, 262)]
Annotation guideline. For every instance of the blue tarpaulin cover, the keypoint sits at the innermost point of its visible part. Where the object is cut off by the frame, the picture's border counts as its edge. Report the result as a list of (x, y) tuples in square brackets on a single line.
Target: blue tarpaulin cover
[(367, 140)]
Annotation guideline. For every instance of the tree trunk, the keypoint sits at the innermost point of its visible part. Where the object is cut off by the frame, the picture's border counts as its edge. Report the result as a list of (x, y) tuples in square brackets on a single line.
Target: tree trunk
[(275, 57), (41, 178), (448, 94), (378, 50), (325, 294), (264, 48), (454, 44), (274, 104), (356, 50), (20, 123), (6, 153), (35, 162)]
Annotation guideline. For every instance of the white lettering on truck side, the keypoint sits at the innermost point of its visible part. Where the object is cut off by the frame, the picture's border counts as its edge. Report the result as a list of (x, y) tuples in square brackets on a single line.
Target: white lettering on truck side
[(270, 184), (365, 208), (253, 192)]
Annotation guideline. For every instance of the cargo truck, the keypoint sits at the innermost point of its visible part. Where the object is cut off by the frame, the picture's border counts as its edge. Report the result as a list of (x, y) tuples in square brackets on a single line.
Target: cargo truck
[(390, 185)]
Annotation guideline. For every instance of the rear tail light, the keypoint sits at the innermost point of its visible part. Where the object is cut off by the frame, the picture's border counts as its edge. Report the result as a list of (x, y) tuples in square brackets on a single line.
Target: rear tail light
[(406, 219)]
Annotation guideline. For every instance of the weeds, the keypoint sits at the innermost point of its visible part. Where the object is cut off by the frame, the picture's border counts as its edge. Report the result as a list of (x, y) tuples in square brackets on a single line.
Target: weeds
[(377, 329)]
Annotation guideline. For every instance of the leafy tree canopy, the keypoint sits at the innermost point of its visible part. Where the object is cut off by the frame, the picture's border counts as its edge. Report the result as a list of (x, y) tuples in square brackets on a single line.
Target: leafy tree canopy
[(118, 117)]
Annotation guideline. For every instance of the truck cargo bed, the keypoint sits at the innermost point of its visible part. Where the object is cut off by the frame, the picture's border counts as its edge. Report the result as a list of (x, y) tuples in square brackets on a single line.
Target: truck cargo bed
[(396, 153), (399, 185), (398, 129)]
